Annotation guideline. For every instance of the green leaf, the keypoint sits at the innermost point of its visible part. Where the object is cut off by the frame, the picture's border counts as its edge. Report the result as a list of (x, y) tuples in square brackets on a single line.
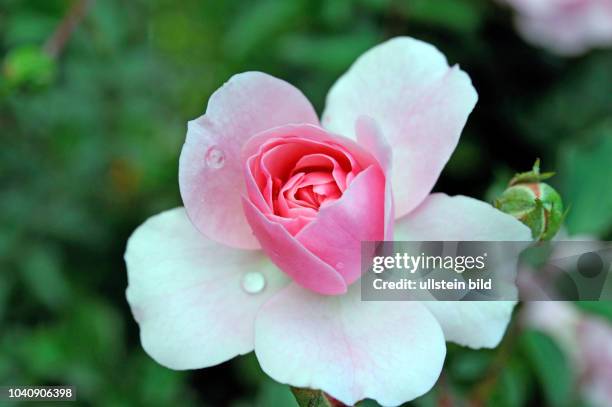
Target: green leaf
[(531, 176), (248, 368), (429, 399), (551, 367), (602, 309), (469, 365), (272, 393), (512, 387), (586, 181), (310, 398)]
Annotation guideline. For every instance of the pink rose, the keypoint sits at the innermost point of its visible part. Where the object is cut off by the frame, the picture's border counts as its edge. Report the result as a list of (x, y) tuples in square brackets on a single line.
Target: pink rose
[(295, 176), (595, 338), (567, 27), (264, 255), (586, 339)]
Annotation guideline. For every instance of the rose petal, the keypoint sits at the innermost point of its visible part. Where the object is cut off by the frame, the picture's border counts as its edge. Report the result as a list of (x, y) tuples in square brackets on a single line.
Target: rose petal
[(475, 324), (562, 326), (247, 104), (569, 32), (459, 218), (283, 206), (371, 138), (539, 7), (185, 292), (324, 162), (317, 178), (290, 255), (420, 104), (293, 225), (259, 185), (315, 139), (335, 235), (566, 27), (388, 351)]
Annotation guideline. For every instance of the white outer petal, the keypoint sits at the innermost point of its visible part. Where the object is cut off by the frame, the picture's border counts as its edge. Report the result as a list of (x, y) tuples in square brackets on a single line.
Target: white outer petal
[(185, 293), (420, 103), (440, 217), (388, 351)]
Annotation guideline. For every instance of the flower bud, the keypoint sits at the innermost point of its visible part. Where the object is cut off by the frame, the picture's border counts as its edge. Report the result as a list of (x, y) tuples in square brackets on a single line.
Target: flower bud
[(533, 202)]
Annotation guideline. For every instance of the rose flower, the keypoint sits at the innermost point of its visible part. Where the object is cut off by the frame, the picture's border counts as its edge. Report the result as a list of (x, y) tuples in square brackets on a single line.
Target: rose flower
[(265, 254)]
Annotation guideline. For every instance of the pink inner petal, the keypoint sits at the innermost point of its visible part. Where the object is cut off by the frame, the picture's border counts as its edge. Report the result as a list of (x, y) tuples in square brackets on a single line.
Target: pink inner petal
[(296, 176), (307, 195), (293, 225), (320, 162), (316, 178), (329, 189), (281, 204)]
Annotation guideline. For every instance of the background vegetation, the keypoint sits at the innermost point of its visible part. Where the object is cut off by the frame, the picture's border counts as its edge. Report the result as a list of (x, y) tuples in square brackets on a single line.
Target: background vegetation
[(91, 125)]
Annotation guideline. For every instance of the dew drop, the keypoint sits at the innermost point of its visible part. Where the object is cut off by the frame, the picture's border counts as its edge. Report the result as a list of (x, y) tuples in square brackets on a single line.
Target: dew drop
[(253, 282), (340, 265), (215, 158)]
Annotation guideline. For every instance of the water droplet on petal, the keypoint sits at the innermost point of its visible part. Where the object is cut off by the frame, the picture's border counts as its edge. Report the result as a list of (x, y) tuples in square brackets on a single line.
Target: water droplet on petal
[(340, 265), (215, 158), (253, 282)]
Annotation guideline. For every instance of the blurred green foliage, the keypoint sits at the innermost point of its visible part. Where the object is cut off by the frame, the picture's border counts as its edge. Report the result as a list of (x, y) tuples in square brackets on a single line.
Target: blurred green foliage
[(551, 367), (91, 136)]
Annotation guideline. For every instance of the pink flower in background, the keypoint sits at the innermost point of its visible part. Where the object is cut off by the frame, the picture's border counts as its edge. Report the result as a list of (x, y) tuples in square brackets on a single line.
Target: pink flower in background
[(567, 27), (264, 255), (586, 339)]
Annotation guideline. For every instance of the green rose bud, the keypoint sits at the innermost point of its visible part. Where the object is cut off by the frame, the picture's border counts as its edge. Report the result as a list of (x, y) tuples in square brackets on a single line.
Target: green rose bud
[(533, 202)]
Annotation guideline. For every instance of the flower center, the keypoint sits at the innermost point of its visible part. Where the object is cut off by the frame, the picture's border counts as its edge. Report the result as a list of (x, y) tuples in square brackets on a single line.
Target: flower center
[(304, 193)]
